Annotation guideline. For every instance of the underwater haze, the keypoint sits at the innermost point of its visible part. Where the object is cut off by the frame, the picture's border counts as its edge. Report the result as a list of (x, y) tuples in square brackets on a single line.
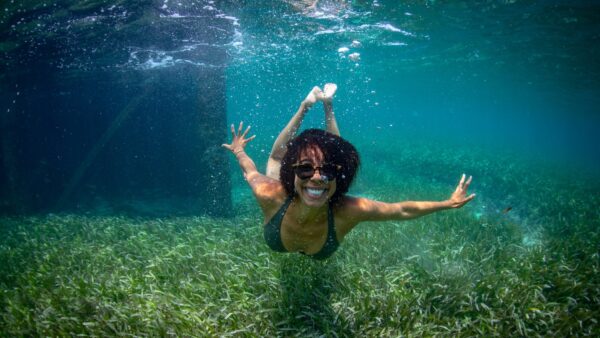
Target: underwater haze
[(121, 214), (516, 75)]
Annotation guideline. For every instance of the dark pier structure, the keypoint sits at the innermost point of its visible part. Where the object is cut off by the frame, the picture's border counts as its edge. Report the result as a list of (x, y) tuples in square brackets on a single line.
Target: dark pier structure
[(113, 108)]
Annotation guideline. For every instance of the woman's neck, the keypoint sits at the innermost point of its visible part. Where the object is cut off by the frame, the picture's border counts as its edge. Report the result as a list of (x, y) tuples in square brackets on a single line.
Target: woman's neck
[(306, 215)]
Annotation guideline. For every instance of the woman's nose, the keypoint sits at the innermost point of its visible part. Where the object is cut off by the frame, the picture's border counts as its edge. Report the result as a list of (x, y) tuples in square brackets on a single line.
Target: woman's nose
[(318, 176)]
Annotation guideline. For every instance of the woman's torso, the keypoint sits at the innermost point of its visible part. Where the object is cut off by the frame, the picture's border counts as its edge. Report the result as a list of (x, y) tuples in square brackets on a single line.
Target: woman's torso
[(309, 237)]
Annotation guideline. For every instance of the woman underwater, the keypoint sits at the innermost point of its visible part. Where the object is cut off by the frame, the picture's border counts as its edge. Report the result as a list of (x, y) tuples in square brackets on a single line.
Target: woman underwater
[(303, 194)]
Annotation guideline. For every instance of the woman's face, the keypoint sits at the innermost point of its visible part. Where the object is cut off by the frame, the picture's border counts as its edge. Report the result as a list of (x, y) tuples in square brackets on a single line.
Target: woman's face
[(316, 190)]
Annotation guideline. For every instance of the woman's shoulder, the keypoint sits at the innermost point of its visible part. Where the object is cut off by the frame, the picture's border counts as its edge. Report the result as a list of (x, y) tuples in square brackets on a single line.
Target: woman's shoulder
[(350, 208), (355, 209), (349, 204), (347, 214), (269, 192)]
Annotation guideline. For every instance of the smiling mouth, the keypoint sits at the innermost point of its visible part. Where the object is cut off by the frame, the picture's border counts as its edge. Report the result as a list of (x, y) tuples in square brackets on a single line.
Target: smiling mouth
[(315, 192)]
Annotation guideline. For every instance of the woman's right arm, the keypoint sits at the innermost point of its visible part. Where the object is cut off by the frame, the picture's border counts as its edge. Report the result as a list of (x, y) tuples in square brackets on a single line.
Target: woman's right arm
[(264, 188), (238, 143)]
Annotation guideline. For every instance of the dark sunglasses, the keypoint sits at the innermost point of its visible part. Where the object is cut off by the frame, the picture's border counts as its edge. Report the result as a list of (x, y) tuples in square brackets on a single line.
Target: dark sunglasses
[(305, 171)]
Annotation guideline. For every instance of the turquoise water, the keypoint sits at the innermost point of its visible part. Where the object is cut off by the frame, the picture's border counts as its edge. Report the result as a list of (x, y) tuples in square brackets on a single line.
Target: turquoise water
[(479, 88), (512, 75)]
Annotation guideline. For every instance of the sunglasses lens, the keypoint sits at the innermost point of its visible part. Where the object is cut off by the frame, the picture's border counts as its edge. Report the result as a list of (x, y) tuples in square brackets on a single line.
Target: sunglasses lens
[(329, 170), (304, 171)]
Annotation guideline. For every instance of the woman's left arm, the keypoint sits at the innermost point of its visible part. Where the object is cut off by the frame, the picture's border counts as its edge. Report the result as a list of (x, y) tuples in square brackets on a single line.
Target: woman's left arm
[(363, 209)]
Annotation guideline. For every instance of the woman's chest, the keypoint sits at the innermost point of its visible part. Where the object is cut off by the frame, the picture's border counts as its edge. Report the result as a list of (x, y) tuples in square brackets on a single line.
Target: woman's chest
[(307, 238)]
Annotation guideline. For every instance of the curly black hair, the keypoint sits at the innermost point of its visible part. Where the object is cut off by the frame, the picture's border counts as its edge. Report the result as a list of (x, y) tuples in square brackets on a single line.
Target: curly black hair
[(335, 149)]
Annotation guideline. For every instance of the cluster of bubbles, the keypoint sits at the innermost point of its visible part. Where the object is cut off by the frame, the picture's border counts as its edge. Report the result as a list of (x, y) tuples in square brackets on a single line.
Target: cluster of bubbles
[(115, 34), (277, 35), (189, 47), (354, 56), (290, 49)]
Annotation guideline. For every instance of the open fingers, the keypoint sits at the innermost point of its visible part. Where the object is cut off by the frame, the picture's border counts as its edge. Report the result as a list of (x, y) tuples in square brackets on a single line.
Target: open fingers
[(460, 184), (462, 180), (466, 186), (245, 132), (238, 136), (469, 199)]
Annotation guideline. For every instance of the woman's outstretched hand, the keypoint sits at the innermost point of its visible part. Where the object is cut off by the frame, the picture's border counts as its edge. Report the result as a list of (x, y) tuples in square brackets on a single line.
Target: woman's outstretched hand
[(239, 139), (459, 196)]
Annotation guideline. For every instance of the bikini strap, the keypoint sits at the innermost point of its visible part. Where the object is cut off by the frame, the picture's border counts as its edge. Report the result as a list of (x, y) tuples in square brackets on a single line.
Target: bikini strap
[(330, 222)]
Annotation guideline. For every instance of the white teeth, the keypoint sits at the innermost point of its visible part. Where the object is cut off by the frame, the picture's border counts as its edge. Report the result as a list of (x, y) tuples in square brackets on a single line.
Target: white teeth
[(315, 192)]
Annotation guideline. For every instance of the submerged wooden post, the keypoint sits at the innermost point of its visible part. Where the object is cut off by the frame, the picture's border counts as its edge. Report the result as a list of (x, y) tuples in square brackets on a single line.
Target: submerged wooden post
[(91, 156), (9, 197)]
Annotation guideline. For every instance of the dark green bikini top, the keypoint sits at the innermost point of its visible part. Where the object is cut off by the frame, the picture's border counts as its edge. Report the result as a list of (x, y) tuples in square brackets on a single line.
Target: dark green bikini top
[(272, 233)]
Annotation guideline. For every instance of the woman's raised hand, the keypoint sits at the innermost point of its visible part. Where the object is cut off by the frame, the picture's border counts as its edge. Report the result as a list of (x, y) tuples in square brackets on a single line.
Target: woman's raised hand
[(239, 139), (459, 196), (316, 94)]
